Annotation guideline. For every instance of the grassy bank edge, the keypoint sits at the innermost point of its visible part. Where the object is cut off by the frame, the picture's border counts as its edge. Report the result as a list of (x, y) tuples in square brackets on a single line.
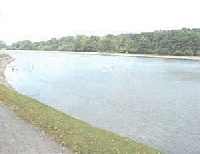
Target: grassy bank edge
[(70, 132)]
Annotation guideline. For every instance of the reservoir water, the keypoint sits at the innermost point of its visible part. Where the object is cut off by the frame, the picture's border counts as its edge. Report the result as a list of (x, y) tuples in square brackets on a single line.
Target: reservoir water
[(151, 100)]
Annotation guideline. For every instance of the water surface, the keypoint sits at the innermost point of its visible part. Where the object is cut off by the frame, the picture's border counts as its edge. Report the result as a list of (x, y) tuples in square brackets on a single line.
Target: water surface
[(151, 100)]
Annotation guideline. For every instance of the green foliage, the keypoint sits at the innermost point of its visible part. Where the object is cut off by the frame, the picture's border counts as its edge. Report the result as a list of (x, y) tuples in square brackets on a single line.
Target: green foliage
[(75, 134), (23, 45), (2, 45), (178, 53), (188, 53), (184, 42), (107, 43)]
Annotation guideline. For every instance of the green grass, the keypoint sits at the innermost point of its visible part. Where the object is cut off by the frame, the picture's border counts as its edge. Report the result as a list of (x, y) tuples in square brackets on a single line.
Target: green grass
[(75, 134)]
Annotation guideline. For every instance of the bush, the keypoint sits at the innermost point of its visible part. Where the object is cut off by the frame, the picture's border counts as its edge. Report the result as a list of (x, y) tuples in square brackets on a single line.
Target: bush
[(197, 53), (188, 53), (178, 53)]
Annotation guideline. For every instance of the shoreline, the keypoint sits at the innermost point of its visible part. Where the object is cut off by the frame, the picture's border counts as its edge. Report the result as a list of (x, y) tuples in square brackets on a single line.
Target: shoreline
[(121, 54), (136, 55), (4, 62), (38, 141)]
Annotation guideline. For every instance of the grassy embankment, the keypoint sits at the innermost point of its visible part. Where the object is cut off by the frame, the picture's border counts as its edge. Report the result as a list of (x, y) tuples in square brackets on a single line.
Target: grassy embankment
[(75, 134)]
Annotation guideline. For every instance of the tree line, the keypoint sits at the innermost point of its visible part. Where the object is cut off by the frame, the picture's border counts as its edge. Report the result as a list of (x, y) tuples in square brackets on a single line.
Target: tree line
[(183, 42)]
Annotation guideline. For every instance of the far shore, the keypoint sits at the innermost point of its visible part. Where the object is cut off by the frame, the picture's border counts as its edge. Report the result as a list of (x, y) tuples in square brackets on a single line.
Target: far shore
[(124, 54), (137, 55)]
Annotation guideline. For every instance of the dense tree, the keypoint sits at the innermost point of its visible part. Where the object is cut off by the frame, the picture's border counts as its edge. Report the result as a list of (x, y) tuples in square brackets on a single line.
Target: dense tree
[(108, 43), (66, 44), (184, 42), (23, 45), (2, 45)]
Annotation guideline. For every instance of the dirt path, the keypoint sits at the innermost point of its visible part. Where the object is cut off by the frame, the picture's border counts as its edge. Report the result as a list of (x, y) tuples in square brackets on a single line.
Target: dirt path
[(19, 137)]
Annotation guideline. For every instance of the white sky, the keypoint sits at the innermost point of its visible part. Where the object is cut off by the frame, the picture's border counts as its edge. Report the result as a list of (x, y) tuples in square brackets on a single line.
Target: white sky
[(43, 19)]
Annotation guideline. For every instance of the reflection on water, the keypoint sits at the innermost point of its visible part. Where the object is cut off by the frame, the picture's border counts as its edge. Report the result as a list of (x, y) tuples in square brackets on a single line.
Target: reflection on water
[(155, 101)]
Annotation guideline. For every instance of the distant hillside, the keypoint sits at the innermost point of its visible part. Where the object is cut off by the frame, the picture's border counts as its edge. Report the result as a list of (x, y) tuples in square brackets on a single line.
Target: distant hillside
[(184, 42)]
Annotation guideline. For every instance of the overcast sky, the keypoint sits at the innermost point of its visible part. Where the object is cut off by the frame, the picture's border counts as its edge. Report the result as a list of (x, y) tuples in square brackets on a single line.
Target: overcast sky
[(43, 19)]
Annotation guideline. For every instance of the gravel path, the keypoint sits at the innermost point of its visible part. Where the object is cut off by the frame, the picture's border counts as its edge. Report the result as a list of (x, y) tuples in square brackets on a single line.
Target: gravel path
[(19, 137)]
